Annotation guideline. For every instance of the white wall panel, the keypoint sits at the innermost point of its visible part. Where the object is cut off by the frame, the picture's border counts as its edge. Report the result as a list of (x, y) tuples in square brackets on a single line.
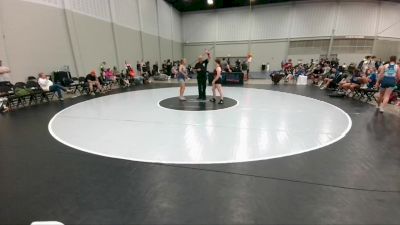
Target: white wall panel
[(199, 27), (313, 20), (125, 13), (95, 8), (305, 58), (164, 19), (271, 53), (148, 15), (357, 19), (233, 50), (176, 26), (53, 3), (177, 50), (351, 58), (191, 53), (30, 39), (270, 22), (390, 17), (233, 24)]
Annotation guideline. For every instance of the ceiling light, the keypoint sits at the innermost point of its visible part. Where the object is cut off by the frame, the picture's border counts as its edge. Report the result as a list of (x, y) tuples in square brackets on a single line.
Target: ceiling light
[(210, 2)]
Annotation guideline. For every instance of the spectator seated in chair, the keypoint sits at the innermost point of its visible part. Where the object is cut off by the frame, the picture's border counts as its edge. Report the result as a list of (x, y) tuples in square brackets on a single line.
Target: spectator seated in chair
[(48, 85), (288, 70), (356, 81), (316, 74), (334, 76), (109, 75), (371, 78), (92, 80), (133, 78), (299, 71), (369, 89)]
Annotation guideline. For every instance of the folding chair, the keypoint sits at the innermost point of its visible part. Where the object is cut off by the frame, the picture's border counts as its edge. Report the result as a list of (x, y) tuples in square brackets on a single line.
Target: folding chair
[(21, 99), (37, 92), (8, 92), (31, 78), (75, 85), (107, 85), (369, 94), (83, 87)]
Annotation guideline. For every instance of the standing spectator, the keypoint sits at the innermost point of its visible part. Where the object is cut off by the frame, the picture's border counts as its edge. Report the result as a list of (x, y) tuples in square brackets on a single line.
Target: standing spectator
[(224, 65), (155, 71), (139, 68), (169, 68), (249, 60), (164, 67), (378, 63), (363, 66), (4, 72), (372, 62)]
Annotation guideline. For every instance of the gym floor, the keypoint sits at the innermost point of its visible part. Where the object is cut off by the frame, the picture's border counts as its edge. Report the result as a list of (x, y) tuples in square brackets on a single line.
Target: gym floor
[(355, 180)]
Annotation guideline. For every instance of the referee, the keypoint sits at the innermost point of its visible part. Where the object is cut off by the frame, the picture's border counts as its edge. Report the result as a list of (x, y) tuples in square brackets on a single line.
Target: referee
[(201, 69)]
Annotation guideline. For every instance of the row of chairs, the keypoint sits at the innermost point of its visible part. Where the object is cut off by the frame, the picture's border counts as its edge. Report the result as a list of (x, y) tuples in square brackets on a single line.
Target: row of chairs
[(366, 95), (23, 94), (33, 94)]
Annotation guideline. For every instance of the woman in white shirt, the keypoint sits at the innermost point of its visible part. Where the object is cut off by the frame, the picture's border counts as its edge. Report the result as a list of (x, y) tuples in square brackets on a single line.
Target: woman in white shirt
[(48, 85)]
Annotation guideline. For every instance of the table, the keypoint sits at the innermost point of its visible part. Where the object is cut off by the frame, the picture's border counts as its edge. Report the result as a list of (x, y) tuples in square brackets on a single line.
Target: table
[(302, 80)]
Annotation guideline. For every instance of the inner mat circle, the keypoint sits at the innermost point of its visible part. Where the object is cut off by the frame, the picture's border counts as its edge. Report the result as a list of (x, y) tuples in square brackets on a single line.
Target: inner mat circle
[(192, 103), (263, 125)]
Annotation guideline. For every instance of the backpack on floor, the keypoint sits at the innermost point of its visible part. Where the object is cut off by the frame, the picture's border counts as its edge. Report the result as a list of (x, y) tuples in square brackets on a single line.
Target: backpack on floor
[(337, 94)]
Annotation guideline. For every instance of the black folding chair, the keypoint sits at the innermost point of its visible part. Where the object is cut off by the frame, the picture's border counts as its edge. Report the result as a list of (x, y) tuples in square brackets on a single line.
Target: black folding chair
[(107, 85), (31, 78), (38, 93), (21, 99), (82, 87)]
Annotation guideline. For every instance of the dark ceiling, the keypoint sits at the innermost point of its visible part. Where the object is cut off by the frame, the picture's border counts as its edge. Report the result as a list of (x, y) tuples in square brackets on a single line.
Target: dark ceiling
[(195, 5)]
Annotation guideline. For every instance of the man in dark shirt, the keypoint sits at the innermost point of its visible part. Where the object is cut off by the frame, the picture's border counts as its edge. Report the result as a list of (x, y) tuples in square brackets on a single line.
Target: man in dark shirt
[(317, 74), (93, 80), (169, 67), (201, 69)]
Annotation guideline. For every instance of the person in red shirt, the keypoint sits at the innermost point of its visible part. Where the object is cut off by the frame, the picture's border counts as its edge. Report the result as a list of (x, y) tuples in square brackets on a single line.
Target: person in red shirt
[(288, 67)]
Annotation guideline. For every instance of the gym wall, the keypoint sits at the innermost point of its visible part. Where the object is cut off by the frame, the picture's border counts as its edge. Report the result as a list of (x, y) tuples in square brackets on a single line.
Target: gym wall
[(43, 36), (298, 30)]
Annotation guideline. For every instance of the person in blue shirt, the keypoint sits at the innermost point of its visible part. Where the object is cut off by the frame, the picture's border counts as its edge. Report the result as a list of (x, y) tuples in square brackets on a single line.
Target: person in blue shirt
[(334, 76), (372, 78)]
